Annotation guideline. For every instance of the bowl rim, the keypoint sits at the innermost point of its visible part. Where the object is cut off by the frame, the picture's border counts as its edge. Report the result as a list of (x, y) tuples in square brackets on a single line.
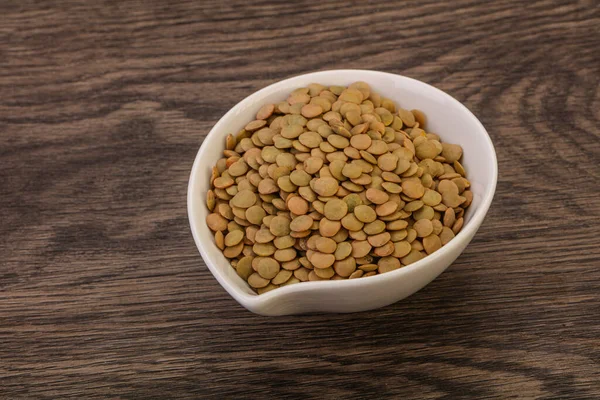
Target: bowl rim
[(255, 301)]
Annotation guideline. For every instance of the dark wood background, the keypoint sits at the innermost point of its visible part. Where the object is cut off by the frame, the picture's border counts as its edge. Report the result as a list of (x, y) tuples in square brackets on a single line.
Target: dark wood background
[(103, 106)]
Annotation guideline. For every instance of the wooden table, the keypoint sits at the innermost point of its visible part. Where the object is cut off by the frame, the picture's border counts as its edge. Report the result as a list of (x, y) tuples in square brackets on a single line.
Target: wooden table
[(103, 106)]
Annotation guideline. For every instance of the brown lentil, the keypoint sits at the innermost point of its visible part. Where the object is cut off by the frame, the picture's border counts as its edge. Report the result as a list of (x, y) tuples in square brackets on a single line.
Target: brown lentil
[(334, 183)]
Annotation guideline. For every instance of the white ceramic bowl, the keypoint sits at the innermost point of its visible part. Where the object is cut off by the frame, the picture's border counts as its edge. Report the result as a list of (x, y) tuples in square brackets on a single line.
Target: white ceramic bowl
[(446, 117)]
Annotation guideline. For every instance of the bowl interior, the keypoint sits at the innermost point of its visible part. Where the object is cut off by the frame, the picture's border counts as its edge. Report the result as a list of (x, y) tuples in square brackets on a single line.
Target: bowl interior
[(453, 122)]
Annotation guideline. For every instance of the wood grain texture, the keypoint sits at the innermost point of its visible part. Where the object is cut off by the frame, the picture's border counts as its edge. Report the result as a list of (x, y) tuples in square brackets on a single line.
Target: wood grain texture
[(103, 106)]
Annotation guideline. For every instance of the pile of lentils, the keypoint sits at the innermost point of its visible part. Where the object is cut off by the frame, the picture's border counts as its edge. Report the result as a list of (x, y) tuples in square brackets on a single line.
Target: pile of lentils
[(334, 183)]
